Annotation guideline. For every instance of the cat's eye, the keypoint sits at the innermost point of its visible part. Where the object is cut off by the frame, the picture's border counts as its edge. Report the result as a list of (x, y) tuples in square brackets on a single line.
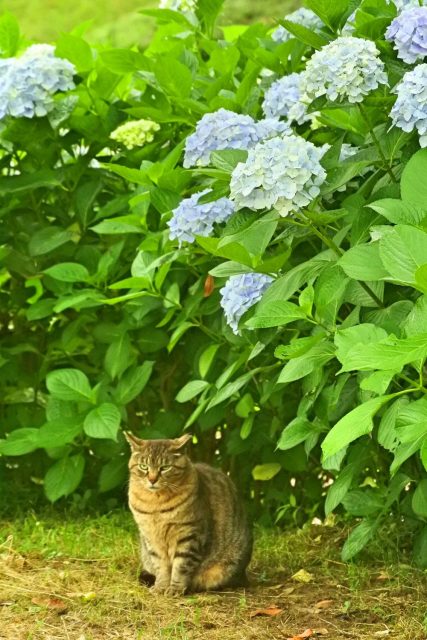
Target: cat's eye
[(143, 467), (166, 467)]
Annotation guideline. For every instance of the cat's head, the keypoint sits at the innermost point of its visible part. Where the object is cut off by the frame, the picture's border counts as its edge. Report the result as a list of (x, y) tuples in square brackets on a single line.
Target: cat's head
[(159, 464)]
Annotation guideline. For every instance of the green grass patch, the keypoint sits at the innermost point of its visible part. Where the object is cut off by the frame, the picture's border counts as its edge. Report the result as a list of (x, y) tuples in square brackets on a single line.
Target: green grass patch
[(77, 577)]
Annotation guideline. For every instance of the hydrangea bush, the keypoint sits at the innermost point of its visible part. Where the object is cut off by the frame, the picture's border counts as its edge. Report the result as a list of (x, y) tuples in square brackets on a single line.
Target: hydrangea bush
[(171, 260)]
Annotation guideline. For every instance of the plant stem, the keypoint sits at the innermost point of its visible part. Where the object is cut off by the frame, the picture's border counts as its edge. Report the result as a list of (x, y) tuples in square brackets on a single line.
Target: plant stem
[(331, 244), (417, 387), (376, 142)]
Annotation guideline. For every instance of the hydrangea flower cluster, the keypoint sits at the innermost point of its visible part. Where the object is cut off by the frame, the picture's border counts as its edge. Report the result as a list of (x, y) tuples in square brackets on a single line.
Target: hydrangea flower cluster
[(408, 32), (183, 6), (409, 112), (192, 218), (28, 83), (402, 4), (135, 133), (284, 173), (305, 17), (345, 68), (240, 293), (225, 129), (283, 98)]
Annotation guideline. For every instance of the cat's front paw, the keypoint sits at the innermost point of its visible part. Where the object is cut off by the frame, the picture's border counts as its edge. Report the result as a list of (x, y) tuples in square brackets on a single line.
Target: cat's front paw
[(161, 587), (175, 590)]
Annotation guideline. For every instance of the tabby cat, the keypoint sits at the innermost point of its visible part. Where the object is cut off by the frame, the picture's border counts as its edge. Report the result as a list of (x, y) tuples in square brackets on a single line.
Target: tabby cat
[(193, 529)]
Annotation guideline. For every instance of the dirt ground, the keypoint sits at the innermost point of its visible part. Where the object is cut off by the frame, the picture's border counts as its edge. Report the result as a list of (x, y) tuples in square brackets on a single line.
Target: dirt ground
[(53, 587)]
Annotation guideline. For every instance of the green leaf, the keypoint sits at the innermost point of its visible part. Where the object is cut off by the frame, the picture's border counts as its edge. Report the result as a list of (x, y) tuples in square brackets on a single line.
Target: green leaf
[(363, 262), (275, 314), (363, 502), (228, 159), (255, 238), (338, 490), (9, 35), (56, 434), (69, 384), (300, 367), (191, 390), (230, 389), (119, 356), (331, 12), (245, 406), (76, 50), (113, 474), (124, 60), (121, 224), (68, 272), (398, 211), (419, 499), (402, 251), (305, 35), (48, 239), (25, 182), (132, 383), (285, 286), (413, 185), (19, 442), (64, 477), (103, 421), (353, 425), (389, 355), (358, 539), (266, 471), (173, 77), (297, 431), (131, 175), (421, 278), (360, 335), (206, 359), (207, 12)]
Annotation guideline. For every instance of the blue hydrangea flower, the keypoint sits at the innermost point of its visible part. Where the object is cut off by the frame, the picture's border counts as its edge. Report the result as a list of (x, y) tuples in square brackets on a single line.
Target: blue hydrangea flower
[(402, 4), (303, 16), (408, 32), (283, 98), (409, 112), (28, 83), (345, 68), (240, 293), (225, 129), (192, 218), (284, 173)]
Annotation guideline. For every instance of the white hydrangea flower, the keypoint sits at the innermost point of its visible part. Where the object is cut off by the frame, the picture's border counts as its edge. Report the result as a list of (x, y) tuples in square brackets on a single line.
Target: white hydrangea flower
[(225, 129), (281, 173), (402, 4), (28, 83), (409, 112), (240, 293), (192, 218), (183, 6), (135, 133), (345, 68), (303, 16), (408, 32), (283, 98)]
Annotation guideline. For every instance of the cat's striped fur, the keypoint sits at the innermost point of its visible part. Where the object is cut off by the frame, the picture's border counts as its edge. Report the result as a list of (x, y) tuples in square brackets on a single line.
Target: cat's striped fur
[(193, 528)]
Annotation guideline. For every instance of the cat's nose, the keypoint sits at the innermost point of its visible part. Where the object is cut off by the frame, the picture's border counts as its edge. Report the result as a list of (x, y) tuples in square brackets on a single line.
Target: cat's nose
[(152, 478)]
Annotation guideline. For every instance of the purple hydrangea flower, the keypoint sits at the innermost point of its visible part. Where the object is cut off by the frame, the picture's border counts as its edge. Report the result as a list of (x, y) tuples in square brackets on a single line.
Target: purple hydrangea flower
[(240, 293), (303, 16), (28, 83), (408, 32), (284, 173), (192, 218), (409, 112), (283, 98), (225, 129), (345, 68)]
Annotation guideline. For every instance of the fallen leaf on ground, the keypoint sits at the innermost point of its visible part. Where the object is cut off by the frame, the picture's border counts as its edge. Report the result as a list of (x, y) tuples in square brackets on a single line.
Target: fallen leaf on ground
[(383, 575), (303, 576), (305, 634), (324, 604), (51, 603), (321, 632), (268, 611), (382, 634)]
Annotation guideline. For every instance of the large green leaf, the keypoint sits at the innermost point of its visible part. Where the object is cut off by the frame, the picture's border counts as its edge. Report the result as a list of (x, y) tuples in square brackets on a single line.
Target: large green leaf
[(68, 272), (69, 384), (353, 425), (119, 356), (402, 251), (191, 390), (413, 184), (363, 262), (19, 442), (133, 382), (64, 477), (419, 499), (295, 432), (103, 421), (275, 314)]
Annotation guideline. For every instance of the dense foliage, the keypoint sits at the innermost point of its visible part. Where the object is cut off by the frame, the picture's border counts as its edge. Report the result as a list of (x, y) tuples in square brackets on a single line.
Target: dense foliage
[(176, 256)]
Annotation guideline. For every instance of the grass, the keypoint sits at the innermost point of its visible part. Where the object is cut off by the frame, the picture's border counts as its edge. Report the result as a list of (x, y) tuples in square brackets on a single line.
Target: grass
[(77, 579), (118, 21)]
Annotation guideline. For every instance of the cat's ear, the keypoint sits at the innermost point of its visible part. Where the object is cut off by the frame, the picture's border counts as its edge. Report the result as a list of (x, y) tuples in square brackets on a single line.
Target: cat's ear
[(135, 443), (179, 443)]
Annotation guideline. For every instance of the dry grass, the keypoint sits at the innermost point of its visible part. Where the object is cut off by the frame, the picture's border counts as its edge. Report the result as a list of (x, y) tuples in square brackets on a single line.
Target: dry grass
[(88, 568)]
